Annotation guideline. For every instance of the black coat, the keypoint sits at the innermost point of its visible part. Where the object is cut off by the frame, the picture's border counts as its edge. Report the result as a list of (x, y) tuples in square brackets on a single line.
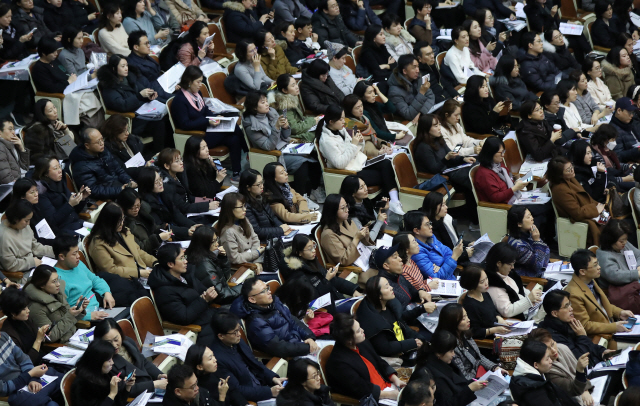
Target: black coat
[(239, 363), (264, 221), (216, 272), (604, 34), (538, 72), (433, 161), (50, 77), (480, 117), (178, 189), (539, 18), (296, 50), (558, 118), (534, 390), (125, 95), (563, 59), (405, 294), (210, 383), (146, 372), (562, 333), (144, 229), (87, 393), (374, 56), (348, 375), (101, 173), (333, 30), (56, 18), (12, 48), (534, 138), (318, 96), (380, 332), (25, 23), (303, 397), (513, 89), (204, 399), (54, 206), (442, 88), (594, 185), (202, 184), (121, 155), (453, 388), (165, 212), (482, 315)]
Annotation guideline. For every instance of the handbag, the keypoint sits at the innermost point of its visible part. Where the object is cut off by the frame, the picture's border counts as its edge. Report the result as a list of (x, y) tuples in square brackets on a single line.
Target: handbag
[(273, 255), (618, 205), (63, 146), (508, 349), (434, 184)]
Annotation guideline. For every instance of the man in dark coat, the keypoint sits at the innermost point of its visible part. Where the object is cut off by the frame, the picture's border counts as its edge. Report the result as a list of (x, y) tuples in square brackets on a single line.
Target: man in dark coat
[(246, 374), (328, 24), (537, 71), (441, 87), (241, 20), (270, 326), (496, 6), (407, 91), (628, 133), (183, 389), (148, 68), (95, 168)]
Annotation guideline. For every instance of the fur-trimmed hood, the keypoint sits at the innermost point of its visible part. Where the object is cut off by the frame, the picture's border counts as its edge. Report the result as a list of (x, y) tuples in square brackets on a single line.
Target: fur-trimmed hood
[(395, 41), (234, 5), (549, 47), (609, 69), (281, 101), (294, 263)]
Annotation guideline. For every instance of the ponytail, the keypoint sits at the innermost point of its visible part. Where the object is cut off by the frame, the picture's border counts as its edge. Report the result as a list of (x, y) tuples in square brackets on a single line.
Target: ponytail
[(319, 129)]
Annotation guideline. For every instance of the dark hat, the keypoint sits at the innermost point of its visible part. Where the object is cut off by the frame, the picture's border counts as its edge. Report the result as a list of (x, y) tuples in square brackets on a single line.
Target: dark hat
[(383, 253)]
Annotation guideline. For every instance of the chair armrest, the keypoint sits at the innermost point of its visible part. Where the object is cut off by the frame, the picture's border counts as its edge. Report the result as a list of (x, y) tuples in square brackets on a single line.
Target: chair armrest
[(119, 113), (272, 363), (502, 206), (479, 136), (191, 327), (484, 343), (13, 275), (413, 191), (344, 400), (192, 132), (340, 171), (599, 48), (184, 331), (85, 324), (265, 152), (414, 328), (596, 339), (85, 216), (344, 274), (346, 268), (52, 95), (529, 279), (390, 232), (459, 87), (239, 273), (159, 359)]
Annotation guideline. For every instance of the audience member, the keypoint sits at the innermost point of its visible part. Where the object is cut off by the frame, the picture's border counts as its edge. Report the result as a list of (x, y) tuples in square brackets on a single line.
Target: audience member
[(490, 34), (398, 40), (599, 90), (341, 74), (568, 94), (375, 111), (305, 37), (86, 14), (201, 359), (604, 31), (589, 110), (558, 53), (241, 20), (138, 219), (354, 115), (524, 236), (272, 58), (458, 57), (481, 56), (630, 396), (329, 25), (287, 100), (182, 386), (289, 11), (140, 15), (375, 56), (618, 75), (408, 247), (358, 14), (72, 56), (195, 38), (555, 114), (119, 141), (441, 86), (583, 160), (140, 59), (480, 113), (622, 118), (453, 133), (619, 173), (318, 89), (535, 134), (304, 387), (14, 157), (507, 84), (262, 218), (111, 34), (539, 72), (294, 50), (249, 69), (47, 134), (205, 180), (408, 91), (24, 331), (626, 41), (13, 44), (422, 26), (27, 17), (286, 203), (238, 238), (355, 192)]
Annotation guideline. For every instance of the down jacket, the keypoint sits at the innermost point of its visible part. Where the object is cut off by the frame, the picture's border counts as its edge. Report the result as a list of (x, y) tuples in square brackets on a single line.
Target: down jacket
[(56, 18), (216, 272), (435, 253), (144, 229), (530, 388), (317, 96), (273, 329), (333, 30), (54, 311), (513, 89), (101, 173), (538, 72), (264, 221), (54, 205), (356, 18), (278, 66), (406, 96), (240, 22), (618, 80), (10, 165), (25, 23), (535, 139), (560, 57)]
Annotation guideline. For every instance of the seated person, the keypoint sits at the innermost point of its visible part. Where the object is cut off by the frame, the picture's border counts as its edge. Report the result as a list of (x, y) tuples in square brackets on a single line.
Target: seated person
[(18, 371), (410, 94), (452, 131), (529, 386), (507, 83), (128, 358), (195, 38), (43, 136), (247, 375), (524, 236), (14, 156), (79, 282), (408, 247), (477, 303), (289, 205), (56, 203), (622, 121), (140, 16), (354, 114), (272, 58), (96, 383), (49, 306), (570, 198), (287, 100), (304, 385), (381, 317), (509, 296), (121, 143), (568, 95), (341, 74), (493, 182), (270, 326), (468, 359), (422, 26), (373, 111), (305, 37), (375, 56), (354, 368), (588, 300), (453, 388), (557, 51), (329, 25), (237, 237), (398, 40), (264, 221), (535, 135), (290, 11), (565, 368), (183, 11), (180, 297), (201, 359), (481, 57), (318, 89), (618, 172), (95, 167), (435, 260), (191, 113), (555, 113), (183, 389), (27, 189), (566, 329), (583, 159), (13, 43), (620, 281), (211, 264), (139, 58), (480, 113), (205, 180), (112, 247), (538, 72), (248, 71), (22, 329), (596, 86), (604, 31), (72, 56), (458, 58), (357, 16), (242, 21), (355, 192), (19, 250), (111, 35), (442, 87)]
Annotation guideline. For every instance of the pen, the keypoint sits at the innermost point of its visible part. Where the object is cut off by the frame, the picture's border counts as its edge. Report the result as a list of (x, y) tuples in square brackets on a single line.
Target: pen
[(90, 297), (299, 145)]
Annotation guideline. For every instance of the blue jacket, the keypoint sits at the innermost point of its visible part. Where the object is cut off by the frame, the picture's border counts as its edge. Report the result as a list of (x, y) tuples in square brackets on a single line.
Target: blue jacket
[(435, 253), (101, 173), (149, 72), (188, 118), (238, 363), (356, 18), (538, 72), (240, 23), (273, 329)]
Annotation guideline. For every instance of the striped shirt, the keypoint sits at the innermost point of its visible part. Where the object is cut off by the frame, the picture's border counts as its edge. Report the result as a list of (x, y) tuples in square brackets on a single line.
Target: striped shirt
[(412, 273)]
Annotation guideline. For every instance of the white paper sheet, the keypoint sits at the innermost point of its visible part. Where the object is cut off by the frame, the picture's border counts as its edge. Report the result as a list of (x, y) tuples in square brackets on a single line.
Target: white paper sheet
[(136, 161), (571, 29), (227, 124), (82, 82), (153, 110), (299, 149), (44, 231), (319, 303), (44, 381), (64, 355), (172, 77), (448, 288), (49, 261)]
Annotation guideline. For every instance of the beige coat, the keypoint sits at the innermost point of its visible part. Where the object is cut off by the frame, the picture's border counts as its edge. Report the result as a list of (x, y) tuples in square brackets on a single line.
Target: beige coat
[(184, 13), (239, 248), (19, 247), (596, 319), (300, 210), (117, 259), (54, 311), (342, 247), (563, 374)]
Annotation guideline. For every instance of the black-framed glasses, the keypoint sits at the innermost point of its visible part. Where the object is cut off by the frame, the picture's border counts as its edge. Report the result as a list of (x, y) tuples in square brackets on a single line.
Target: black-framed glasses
[(192, 387), (235, 332), (243, 207), (265, 290)]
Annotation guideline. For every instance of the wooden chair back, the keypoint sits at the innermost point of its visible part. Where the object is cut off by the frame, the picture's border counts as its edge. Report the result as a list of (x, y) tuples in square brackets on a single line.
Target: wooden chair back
[(404, 171), (65, 386), (145, 318), (356, 54), (127, 329), (216, 84), (440, 58), (512, 158)]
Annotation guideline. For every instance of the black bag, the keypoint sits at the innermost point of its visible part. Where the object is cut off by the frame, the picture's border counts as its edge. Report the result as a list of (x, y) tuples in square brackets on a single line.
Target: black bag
[(273, 255), (63, 146), (434, 183), (368, 401)]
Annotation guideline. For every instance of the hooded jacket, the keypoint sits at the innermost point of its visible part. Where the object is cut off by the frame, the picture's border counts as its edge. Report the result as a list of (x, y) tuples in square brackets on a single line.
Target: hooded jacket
[(563, 334), (435, 253), (239, 22), (618, 80), (54, 311), (530, 388), (333, 30), (11, 161), (513, 89), (317, 96), (453, 387), (216, 273), (273, 329), (560, 57), (299, 123), (594, 184), (538, 72), (406, 95), (101, 173), (382, 333)]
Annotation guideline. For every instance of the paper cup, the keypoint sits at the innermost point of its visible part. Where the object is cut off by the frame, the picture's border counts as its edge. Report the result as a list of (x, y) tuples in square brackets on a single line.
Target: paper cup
[(557, 127)]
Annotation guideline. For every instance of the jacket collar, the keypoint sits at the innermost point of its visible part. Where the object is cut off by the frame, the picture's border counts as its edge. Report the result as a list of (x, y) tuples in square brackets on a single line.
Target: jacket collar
[(587, 293), (522, 368), (46, 299)]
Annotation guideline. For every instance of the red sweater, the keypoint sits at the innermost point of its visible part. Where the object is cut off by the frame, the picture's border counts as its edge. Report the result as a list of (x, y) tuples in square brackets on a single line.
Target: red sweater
[(490, 187)]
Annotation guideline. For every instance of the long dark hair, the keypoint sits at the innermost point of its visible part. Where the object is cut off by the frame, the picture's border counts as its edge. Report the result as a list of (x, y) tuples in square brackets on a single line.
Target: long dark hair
[(107, 223), (41, 167), (89, 366), (329, 218), (127, 198), (578, 151), (450, 317), (402, 239), (40, 276), (272, 193), (111, 128), (297, 376), (441, 343), (370, 34), (296, 293), (504, 253), (348, 188), (505, 67), (194, 357), (194, 33), (108, 74), (372, 108), (227, 219), (472, 94), (431, 205), (247, 179), (474, 44), (333, 113), (69, 34), (20, 189), (109, 8), (515, 216), (200, 247), (106, 325), (425, 123), (146, 179), (190, 156)]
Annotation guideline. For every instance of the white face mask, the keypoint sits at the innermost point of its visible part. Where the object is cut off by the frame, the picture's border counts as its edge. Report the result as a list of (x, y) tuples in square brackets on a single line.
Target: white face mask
[(611, 145)]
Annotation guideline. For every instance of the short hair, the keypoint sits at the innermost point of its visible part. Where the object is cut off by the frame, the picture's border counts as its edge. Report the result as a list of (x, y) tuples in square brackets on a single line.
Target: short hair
[(418, 5), (69, 34), (47, 46), (166, 157), (388, 19), (135, 37), (247, 287), (341, 328), (190, 74), (612, 232), (490, 147), (63, 244), (20, 189), (456, 31), (528, 107), (417, 47), (532, 351), (18, 210), (413, 219), (601, 7), (251, 102), (85, 135), (547, 97), (13, 301), (42, 164), (555, 169), (541, 335), (527, 38), (224, 321), (603, 134), (470, 276), (553, 300), (415, 394), (323, 5), (405, 60), (168, 253), (127, 198), (564, 87), (301, 22), (317, 68), (402, 240), (580, 260), (450, 317), (177, 375), (431, 205), (613, 57)]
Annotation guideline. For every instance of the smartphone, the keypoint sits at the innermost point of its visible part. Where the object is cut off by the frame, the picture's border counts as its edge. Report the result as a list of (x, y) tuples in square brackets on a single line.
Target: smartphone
[(457, 148), (368, 78), (610, 355), (426, 78), (505, 108), (631, 321), (284, 113), (369, 224), (218, 164), (32, 31), (355, 129), (380, 205), (460, 238), (284, 383), (528, 177), (130, 375)]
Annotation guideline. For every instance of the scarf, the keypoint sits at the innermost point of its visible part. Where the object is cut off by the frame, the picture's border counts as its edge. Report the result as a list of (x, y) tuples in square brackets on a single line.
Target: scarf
[(610, 158), (195, 100), (375, 116), (502, 173), (260, 122), (286, 193)]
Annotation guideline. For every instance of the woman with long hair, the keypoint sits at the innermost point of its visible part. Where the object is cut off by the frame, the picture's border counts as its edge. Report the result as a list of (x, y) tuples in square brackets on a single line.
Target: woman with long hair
[(408, 247), (203, 362), (197, 34), (113, 248), (111, 34), (458, 57), (20, 325), (589, 110), (138, 219), (27, 189), (211, 264), (583, 159), (627, 41), (481, 56), (273, 60), (72, 55), (452, 131), (262, 218), (120, 142), (237, 237), (375, 111), (375, 56), (535, 134), (40, 136), (127, 358), (249, 70), (490, 37), (480, 113), (304, 387), (355, 192), (557, 51), (524, 236), (318, 89), (180, 297), (355, 118), (618, 75), (509, 296), (287, 103), (139, 15), (468, 360), (96, 384), (507, 84)]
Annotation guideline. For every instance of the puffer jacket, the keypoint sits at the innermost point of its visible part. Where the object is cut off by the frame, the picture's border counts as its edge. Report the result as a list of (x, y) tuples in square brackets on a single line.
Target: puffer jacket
[(618, 80), (10, 165), (144, 230), (56, 18), (333, 30), (406, 96), (318, 96), (562, 333), (264, 221), (529, 388), (298, 122), (216, 272), (538, 72), (240, 22), (101, 173), (279, 65), (560, 57), (628, 137), (178, 189), (273, 329), (289, 11), (404, 292), (435, 253), (25, 23), (356, 18), (52, 310), (513, 89), (164, 212), (53, 203)]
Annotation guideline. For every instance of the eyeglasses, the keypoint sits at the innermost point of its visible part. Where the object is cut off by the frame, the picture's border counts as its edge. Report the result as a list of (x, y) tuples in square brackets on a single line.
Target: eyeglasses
[(597, 68), (344, 208), (99, 142), (192, 387), (569, 169), (243, 207), (177, 160), (314, 377), (567, 306), (429, 224), (312, 248), (158, 182), (265, 290), (235, 332)]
